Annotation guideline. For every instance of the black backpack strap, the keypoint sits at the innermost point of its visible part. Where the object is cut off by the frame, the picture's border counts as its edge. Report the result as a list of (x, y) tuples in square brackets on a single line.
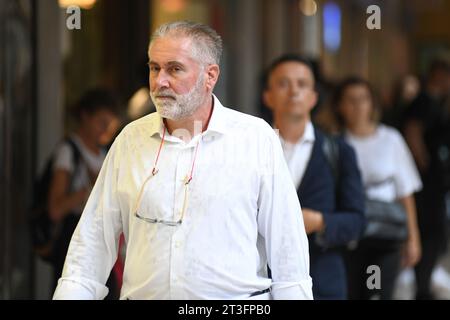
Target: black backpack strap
[(330, 149), (45, 233), (77, 158)]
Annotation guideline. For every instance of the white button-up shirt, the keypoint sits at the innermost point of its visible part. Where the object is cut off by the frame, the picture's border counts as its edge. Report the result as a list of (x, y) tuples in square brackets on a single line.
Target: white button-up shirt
[(242, 214), (298, 154)]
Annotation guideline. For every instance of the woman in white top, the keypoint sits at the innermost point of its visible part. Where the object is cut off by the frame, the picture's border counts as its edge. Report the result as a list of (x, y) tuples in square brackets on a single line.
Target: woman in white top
[(389, 174), (76, 164)]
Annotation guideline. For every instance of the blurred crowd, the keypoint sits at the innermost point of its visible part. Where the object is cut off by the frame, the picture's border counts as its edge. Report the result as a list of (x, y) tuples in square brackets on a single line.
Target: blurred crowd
[(414, 124), (395, 151)]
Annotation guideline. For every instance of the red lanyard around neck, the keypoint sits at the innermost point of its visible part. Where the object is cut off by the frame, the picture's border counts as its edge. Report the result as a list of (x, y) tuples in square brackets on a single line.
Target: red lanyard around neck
[(155, 169)]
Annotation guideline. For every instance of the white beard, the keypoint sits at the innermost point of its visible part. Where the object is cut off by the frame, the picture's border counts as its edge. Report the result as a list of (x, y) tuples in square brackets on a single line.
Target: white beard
[(179, 106)]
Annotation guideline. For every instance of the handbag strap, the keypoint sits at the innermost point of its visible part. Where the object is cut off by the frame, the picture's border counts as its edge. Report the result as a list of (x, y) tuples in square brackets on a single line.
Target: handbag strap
[(376, 184)]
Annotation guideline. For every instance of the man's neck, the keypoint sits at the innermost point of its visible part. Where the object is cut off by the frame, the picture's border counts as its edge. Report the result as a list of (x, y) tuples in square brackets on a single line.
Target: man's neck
[(292, 128), (189, 127)]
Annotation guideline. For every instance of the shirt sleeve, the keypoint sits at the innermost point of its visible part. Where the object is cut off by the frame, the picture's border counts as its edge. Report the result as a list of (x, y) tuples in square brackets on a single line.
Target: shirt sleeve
[(280, 223), (63, 158), (407, 179), (94, 245), (347, 222)]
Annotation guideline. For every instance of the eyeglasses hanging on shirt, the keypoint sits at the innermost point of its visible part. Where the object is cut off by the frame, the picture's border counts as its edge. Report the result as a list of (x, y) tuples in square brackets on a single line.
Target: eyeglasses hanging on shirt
[(186, 183)]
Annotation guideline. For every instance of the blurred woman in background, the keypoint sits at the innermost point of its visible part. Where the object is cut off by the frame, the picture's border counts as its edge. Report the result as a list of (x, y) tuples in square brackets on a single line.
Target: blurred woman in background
[(389, 176), (404, 92)]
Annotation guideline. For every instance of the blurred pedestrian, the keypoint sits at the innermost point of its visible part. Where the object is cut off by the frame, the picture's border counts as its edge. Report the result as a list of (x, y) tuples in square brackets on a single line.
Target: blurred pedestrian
[(427, 132), (405, 91), (390, 179), (323, 169), (77, 162)]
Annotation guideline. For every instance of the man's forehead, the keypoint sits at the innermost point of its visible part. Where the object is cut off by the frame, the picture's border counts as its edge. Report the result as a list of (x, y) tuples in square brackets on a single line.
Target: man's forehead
[(293, 66), (292, 69), (170, 48)]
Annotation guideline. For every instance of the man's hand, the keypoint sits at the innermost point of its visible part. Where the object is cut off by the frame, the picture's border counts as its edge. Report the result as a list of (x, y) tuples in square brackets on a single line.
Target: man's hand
[(313, 220)]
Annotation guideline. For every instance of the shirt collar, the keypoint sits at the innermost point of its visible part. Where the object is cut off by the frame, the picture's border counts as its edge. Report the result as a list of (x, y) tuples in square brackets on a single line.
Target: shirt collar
[(307, 137), (219, 119), (217, 122)]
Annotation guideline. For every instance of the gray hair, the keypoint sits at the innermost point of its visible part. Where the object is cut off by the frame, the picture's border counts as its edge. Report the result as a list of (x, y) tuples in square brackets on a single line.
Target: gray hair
[(207, 43)]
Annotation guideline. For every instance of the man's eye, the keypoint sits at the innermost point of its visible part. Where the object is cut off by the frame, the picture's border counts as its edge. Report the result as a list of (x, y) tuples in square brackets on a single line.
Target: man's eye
[(175, 68), (154, 69), (303, 84), (283, 84)]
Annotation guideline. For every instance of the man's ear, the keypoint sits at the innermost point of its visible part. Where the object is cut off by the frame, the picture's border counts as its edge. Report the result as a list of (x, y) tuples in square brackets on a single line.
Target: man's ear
[(315, 99), (212, 75), (267, 99)]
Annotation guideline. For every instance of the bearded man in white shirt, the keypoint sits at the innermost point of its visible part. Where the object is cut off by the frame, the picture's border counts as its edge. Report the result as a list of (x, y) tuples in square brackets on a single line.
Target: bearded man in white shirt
[(201, 192)]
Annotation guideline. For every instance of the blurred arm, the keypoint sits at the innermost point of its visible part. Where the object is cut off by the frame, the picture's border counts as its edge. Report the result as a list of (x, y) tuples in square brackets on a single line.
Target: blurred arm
[(414, 138), (94, 245), (348, 221), (60, 201), (412, 250)]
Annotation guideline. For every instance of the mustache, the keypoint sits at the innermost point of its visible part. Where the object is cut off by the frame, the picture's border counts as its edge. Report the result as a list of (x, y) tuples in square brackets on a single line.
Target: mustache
[(164, 94)]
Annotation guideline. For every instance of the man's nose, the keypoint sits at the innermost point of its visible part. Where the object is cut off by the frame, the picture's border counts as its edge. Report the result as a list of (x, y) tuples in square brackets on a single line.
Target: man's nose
[(161, 80), (294, 90)]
